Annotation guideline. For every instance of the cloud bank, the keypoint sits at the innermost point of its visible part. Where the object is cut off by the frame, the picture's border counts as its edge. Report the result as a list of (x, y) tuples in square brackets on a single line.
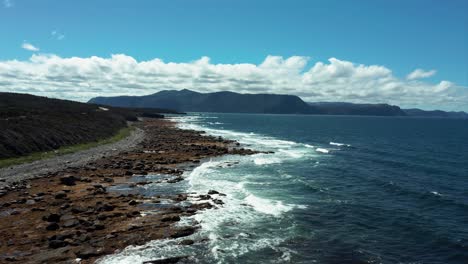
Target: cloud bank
[(335, 80), (57, 35)]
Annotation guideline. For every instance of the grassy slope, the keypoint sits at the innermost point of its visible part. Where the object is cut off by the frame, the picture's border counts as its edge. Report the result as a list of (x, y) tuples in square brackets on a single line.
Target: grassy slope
[(121, 134), (30, 125)]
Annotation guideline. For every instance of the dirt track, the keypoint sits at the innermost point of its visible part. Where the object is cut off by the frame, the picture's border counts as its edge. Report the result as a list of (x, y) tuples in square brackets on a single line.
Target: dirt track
[(37, 168)]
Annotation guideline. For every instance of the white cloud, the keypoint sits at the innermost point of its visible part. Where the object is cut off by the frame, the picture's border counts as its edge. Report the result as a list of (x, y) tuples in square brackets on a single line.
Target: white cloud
[(7, 3), (336, 80), (29, 46), (57, 35), (420, 74)]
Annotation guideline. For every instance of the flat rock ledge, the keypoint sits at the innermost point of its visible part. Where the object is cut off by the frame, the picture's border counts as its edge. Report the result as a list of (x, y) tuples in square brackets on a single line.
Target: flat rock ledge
[(71, 213)]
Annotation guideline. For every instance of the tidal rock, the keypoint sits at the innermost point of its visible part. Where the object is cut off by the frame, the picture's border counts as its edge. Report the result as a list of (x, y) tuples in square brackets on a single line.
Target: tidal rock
[(183, 232), (213, 192), (71, 223), (52, 226), (165, 261), (98, 225), (68, 180), (171, 218), (217, 201), (52, 218), (186, 242), (60, 195), (87, 252), (57, 243)]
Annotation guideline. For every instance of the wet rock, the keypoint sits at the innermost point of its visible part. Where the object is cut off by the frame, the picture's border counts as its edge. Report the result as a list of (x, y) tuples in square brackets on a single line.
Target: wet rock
[(213, 192), (204, 197), (86, 179), (107, 179), (202, 206), (132, 202), (143, 183), (77, 210), (52, 218), (52, 226), (38, 199), (88, 252), (15, 212), (217, 201), (166, 260), (186, 242), (57, 243), (70, 223), (183, 232), (102, 217), (171, 218), (98, 225), (60, 195), (177, 179), (107, 207), (68, 180)]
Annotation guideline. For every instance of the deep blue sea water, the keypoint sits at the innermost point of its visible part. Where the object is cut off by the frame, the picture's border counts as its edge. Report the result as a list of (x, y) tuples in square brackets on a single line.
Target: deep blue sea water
[(338, 189)]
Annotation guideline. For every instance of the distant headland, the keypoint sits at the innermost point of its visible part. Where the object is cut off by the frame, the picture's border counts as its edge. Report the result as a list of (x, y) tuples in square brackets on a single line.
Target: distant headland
[(231, 102)]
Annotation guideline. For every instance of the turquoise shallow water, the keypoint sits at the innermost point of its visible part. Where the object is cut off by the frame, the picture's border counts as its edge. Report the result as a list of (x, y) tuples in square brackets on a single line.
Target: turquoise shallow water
[(336, 190)]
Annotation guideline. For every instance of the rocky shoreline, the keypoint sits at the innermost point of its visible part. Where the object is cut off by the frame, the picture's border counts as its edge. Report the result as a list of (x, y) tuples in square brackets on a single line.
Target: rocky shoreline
[(74, 215)]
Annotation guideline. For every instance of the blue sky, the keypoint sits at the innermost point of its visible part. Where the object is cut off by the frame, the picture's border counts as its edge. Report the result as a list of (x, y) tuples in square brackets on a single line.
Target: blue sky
[(399, 35)]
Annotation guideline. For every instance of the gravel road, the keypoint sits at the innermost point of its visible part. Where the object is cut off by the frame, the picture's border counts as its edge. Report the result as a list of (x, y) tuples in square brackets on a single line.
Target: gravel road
[(37, 168)]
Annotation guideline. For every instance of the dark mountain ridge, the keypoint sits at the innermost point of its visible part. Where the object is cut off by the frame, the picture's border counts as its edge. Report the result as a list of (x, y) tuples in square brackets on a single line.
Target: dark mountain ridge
[(222, 102), (230, 102), (340, 108)]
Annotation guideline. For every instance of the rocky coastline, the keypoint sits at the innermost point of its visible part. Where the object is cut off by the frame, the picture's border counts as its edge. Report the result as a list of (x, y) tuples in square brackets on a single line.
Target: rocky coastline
[(73, 215)]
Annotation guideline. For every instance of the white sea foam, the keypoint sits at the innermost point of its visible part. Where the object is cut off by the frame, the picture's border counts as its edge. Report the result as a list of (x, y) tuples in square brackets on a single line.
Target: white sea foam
[(322, 150), (275, 208), (339, 144), (266, 160), (232, 227)]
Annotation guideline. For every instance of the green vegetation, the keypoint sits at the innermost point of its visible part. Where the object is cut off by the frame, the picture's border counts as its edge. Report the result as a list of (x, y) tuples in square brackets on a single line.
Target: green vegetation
[(121, 134)]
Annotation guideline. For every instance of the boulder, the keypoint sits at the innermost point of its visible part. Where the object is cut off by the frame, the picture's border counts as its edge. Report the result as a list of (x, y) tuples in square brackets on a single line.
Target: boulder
[(57, 243), (68, 180), (52, 218)]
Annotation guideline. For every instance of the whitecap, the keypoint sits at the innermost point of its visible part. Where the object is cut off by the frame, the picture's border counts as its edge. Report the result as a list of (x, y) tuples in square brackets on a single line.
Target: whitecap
[(271, 207), (266, 160), (322, 150), (339, 144)]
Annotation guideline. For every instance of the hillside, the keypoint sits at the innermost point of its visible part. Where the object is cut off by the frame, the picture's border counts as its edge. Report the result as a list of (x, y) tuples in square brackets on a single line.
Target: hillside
[(435, 113), (35, 124), (223, 102), (339, 108), (230, 102)]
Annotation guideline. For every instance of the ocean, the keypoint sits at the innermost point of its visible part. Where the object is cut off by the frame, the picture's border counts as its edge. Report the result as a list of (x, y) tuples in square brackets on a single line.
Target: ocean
[(337, 189)]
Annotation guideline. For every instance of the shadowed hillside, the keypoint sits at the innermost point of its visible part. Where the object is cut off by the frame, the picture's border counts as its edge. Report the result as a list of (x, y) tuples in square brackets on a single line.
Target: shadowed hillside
[(338, 108), (222, 102), (34, 124), (230, 102)]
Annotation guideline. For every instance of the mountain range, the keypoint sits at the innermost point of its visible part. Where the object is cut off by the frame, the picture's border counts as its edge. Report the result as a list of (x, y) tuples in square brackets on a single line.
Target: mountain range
[(230, 102)]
